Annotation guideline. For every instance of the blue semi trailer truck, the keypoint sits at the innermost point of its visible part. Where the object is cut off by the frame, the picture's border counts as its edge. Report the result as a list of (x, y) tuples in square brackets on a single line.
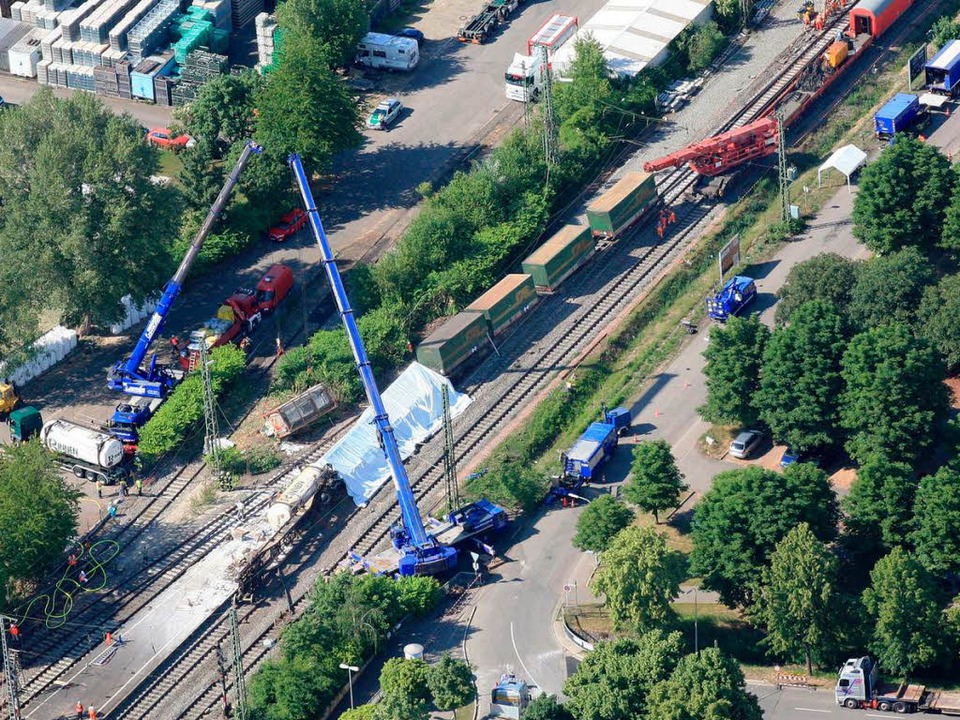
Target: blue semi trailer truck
[(942, 73), (897, 115)]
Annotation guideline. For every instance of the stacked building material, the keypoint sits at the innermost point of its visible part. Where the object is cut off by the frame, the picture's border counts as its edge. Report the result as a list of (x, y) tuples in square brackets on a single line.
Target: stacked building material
[(153, 31), (113, 81), (266, 28), (96, 27), (200, 68), (118, 33), (219, 12), (70, 19), (80, 78), (11, 32), (243, 11), (26, 11), (163, 90), (194, 30), (25, 55), (89, 54)]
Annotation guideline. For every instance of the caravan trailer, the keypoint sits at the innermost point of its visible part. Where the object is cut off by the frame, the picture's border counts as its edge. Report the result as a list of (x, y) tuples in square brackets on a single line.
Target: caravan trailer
[(388, 52)]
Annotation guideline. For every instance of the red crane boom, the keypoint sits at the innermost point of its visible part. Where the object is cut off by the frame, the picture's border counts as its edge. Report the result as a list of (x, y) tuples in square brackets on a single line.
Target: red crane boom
[(724, 151)]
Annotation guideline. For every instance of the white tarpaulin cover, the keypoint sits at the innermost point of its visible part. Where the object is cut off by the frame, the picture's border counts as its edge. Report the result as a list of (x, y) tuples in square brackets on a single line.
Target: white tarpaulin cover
[(414, 402), (847, 160)]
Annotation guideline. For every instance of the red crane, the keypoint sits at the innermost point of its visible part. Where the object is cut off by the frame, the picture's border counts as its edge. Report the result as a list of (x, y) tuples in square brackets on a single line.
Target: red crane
[(724, 151)]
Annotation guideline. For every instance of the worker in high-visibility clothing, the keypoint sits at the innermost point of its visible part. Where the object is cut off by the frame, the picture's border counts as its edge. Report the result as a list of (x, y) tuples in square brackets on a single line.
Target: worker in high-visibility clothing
[(79, 710), (92, 713)]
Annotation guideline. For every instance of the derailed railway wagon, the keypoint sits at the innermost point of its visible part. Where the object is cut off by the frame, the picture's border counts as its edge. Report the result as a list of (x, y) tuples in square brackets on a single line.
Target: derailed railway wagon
[(622, 205), (558, 257)]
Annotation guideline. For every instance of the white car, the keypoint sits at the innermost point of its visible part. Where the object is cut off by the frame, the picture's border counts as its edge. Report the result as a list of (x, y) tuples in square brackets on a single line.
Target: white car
[(385, 114), (745, 443)]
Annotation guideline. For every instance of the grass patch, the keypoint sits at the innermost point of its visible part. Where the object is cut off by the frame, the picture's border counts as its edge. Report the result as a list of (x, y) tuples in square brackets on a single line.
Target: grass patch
[(678, 538), (722, 436), (171, 165), (718, 625), (466, 712), (206, 496)]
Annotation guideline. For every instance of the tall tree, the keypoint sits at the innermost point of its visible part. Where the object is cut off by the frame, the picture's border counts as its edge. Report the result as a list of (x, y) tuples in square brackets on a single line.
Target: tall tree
[(894, 400), (734, 356), (586, 105), (936, 520), (740, 520), (939, 319), (800, 380), (797, 604), (201, 176), (547, 707), (614, 679), (599, 523), (405, 693), (223, 111), (338, 24), (79, 177), (903, 196), (704, 686), (451, 683), (639, 578), (38, 515), (827, 276), (655, 480), (890, 288), (879, 506), (908, 622)]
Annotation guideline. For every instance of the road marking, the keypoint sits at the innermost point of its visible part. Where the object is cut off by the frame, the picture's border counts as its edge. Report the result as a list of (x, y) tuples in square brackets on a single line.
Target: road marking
[(513, 639), (814, 710)]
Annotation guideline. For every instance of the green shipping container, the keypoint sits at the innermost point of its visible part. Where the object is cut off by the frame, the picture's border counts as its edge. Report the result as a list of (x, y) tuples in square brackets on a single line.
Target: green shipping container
[(559, 256), (448, 347), (622, 204), (506, 301)]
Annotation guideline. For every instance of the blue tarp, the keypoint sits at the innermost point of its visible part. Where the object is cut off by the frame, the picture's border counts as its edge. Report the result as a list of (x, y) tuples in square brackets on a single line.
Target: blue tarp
[(414, 402)]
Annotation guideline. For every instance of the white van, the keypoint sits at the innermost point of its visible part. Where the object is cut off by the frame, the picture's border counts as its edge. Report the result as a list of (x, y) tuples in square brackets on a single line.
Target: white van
[(390, 52)]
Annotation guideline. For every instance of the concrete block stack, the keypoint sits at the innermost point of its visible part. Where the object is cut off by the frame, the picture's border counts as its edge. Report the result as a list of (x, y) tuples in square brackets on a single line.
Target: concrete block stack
[(266, 27), (118, 33), (113, 81)]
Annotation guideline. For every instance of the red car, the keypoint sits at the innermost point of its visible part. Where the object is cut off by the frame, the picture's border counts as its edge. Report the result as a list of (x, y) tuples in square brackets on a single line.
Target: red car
[(288, 226), (164, 138)]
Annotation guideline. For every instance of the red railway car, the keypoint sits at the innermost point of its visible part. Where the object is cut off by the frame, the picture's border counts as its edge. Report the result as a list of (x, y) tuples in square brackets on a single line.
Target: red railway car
[(874, 17)]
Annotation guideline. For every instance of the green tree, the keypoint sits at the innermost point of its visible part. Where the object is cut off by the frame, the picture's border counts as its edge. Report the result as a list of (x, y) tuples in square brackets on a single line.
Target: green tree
[(827, 276), (734, 357), (451, 683), (201, 176), (704, 686), (939, 319), (639, 578), (614, 679), (944, 30), (585, 105), (289, 688), (655, 480), (405, 693), (890, 288), (936, 520), (38, 515), (700, 44), (903, 196), (291, 120), (894, 399), (547, 707), (879, 506), (797, 602), (800, 380), (908, 622), (740, 520), (361, 712), (338, 24), (223, 111), (729, 14), (79, 177), (599, 522)]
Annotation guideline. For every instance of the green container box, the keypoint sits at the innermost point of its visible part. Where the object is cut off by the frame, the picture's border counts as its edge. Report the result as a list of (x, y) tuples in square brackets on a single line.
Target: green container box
[(622, 204), (452, 344), (559, 256), (506, 301)]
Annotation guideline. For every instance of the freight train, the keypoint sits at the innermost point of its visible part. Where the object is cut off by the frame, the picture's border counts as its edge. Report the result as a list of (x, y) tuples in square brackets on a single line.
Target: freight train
[(466, 338)]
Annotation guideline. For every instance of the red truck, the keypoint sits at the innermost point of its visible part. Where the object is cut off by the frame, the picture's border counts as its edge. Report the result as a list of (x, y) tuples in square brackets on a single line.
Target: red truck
[(236, 318), (274, 287)]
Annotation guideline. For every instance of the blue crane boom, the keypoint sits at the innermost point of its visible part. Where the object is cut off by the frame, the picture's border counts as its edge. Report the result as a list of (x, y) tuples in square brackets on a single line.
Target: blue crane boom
[(152, 381), (421, 553)]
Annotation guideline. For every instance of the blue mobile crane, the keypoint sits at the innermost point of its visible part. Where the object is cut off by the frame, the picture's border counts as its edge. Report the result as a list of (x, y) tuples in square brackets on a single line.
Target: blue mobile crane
[(420, 552), (155, 381)]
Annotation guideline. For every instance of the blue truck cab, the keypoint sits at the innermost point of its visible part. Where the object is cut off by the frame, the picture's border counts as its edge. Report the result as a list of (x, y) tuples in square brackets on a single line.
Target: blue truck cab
[(129, 417), (733, 298), (897, 115)]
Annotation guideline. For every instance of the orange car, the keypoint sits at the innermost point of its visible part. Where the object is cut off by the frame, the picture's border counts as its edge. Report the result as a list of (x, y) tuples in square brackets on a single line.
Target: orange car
[(164, 138)]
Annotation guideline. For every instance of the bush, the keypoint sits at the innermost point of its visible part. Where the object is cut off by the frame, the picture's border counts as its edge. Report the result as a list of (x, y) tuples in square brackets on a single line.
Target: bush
[(255, 461), (183, 409), (700, 44), (218, 246)]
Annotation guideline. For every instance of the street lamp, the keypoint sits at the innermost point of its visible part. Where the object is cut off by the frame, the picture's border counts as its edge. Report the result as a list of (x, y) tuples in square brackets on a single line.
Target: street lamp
[(351, 669)]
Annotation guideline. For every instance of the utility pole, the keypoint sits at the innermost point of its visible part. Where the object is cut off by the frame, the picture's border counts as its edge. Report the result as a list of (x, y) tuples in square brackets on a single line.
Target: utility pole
[(546, 107), (10, 672), (222, 671), (782, 167), (239, 682), (528, 103), (449, 459), (211, 437)]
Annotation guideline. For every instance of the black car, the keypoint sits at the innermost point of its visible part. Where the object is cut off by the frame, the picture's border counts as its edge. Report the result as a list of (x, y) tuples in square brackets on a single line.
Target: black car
[(411, 33)]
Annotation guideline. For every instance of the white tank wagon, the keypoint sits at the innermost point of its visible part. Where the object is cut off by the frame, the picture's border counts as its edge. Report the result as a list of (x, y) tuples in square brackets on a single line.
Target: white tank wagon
[(310, 482), (86, 452)]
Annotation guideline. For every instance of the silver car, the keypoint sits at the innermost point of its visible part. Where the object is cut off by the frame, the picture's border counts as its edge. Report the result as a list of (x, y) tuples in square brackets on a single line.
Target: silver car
[(745, 443)]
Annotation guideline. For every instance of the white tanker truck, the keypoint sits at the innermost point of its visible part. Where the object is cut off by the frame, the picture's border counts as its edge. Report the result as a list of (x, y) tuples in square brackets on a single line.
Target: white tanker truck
[(310, 482), (87, 453)]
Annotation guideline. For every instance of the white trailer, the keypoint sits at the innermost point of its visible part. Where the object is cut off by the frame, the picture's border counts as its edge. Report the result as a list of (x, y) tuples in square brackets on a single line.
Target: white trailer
[(388, 52), (87, 453)]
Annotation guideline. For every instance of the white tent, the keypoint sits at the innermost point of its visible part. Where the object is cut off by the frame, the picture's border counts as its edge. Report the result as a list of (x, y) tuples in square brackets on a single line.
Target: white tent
[(847, 160)]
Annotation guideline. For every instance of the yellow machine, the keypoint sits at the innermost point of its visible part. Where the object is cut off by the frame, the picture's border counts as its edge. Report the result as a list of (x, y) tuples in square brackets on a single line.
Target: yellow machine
[(8, 398), (807, 12)]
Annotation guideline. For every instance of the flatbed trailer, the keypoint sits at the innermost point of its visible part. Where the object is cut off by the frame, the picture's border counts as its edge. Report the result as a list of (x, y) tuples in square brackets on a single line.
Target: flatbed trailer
[(859, 687), (481, 25)]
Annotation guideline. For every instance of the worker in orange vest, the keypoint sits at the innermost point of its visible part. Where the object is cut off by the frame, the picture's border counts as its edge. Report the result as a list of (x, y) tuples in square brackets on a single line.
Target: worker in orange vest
[(79, 710), (92, 713)]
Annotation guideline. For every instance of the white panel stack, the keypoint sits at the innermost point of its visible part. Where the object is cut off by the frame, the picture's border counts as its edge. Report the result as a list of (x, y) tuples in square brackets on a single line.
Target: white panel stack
[(133, 313), (25, 55), (266, 25), (220, 9), (118, 35), (71, 22), (46, 352)]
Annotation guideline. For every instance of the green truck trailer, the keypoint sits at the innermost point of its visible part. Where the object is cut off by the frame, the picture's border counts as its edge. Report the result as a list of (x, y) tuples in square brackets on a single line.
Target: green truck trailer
[(559, 256), (620, 206), (506, 302), (462, 338)]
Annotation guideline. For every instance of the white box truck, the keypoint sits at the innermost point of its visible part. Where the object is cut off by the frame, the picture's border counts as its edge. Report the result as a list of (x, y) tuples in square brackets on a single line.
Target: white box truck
[(387, 52)]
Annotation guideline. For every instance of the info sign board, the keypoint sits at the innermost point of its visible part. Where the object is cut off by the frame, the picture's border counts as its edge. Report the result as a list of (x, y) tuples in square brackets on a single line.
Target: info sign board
[(915, 64), (729, 256)]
